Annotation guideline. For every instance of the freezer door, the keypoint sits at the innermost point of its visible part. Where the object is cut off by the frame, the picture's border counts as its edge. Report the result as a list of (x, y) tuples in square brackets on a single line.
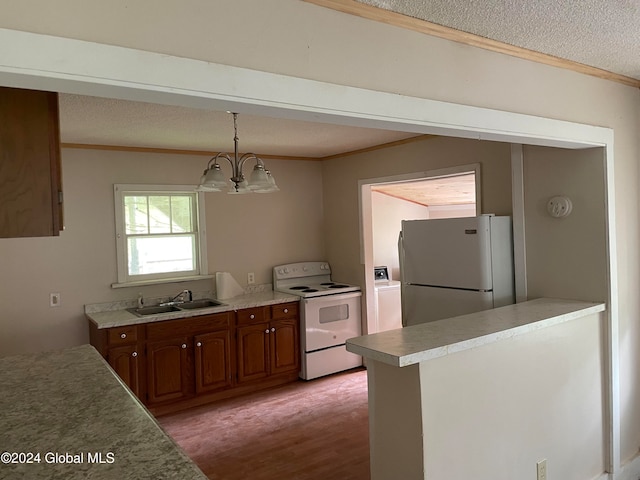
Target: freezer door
[(451, 252), (427, 304)]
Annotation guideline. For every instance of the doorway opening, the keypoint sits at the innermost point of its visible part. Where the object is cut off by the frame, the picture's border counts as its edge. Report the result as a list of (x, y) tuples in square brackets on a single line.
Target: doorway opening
[(384, 203)]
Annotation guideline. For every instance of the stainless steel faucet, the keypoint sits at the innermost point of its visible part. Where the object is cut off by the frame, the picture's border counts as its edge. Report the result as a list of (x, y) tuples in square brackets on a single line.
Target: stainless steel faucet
[(183, 296)]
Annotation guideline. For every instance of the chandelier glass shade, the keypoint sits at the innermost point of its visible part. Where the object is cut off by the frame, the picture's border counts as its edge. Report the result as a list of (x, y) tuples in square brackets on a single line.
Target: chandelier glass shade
[(214, 180)]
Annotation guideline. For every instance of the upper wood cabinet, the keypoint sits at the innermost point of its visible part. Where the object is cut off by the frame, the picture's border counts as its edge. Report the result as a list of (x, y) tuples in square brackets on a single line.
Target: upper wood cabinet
[(30, 172)]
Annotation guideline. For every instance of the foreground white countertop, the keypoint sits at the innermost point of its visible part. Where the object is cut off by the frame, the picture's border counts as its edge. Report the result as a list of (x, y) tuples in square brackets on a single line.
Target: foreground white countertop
[(410, 345), (116, 315)]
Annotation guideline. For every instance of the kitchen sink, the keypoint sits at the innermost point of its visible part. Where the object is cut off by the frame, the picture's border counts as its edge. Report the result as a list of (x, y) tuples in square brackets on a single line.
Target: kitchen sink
[(157, 309), (141, 312), (204, 303)]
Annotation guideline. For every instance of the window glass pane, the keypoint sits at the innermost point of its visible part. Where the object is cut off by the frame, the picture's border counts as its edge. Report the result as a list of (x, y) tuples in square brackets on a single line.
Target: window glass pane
[(161, 254), (135, 214), (159, 214), (181, 214)]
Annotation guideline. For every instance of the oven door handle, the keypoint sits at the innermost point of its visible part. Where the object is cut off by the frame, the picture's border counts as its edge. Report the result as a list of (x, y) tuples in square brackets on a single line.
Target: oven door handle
[(332, 298)]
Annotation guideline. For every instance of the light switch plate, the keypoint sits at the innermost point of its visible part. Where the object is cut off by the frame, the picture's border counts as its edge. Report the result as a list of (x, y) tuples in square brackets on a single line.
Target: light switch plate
[(54, 299)]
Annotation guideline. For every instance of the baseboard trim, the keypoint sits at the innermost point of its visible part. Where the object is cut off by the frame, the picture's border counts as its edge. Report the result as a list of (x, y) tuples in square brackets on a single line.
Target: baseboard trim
[(630, 470)]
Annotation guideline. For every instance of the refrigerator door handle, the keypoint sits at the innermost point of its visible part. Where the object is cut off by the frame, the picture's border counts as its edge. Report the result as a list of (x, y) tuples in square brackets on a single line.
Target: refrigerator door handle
[(401, 257), (402, 285)]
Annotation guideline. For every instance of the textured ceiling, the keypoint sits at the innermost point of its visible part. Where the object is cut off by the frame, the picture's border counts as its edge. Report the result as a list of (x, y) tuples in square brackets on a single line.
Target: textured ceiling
[(101, 121), (599, 33)]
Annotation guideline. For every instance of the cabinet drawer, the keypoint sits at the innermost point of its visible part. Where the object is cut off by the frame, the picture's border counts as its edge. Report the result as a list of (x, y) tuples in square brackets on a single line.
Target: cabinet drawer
[(188, 326), (122, 335), (284, 310), (250, 315)]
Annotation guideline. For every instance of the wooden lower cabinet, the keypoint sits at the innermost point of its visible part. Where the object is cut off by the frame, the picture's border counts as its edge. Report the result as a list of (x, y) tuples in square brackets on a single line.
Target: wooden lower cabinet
[(269, 348), (285, 346), (176, 364), (167, 370), (253, 352), (213, 361), (126, 362)]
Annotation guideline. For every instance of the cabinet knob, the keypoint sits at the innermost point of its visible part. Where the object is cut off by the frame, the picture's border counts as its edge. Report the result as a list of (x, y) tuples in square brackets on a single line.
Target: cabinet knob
[(252, 316), (273, 329), (134, 354), (199, 344), (123, 335), (286, 310), (266, 331), (184, 345)]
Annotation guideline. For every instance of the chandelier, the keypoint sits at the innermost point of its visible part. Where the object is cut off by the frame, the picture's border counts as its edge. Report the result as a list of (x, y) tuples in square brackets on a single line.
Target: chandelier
[(260, 180)]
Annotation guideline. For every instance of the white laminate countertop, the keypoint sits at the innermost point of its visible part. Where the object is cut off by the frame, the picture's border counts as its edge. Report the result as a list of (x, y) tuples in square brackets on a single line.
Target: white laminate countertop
[(114, 316), (66, 410), (418, 343)]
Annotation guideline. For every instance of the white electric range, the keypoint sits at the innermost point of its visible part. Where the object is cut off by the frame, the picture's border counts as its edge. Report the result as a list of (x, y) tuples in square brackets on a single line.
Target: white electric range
[(329, 315)]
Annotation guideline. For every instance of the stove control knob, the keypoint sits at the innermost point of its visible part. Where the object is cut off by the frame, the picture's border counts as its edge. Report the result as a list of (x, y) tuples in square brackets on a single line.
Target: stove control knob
[(286, 270), (305, 268)]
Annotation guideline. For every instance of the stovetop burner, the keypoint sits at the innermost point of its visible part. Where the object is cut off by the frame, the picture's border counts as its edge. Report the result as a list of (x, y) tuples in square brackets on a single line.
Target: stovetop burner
[(308, 279)]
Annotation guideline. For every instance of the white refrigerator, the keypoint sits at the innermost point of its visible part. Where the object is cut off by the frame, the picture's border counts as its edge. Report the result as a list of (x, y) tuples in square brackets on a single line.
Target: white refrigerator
[(454, 266)]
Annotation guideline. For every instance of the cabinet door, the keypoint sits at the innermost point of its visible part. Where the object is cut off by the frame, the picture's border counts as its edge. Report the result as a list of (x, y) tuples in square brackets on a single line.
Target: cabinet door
[(30, 178), (126, 363), (212, 361), (285, 352), (253, 352), (167, 370)]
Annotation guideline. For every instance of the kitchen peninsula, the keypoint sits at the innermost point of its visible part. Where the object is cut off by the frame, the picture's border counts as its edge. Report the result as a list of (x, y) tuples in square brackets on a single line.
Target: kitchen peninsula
[(65, 415), (439, 387)]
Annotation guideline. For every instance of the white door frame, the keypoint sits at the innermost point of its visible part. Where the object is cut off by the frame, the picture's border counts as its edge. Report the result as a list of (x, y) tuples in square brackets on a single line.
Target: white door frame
[(65, 65)]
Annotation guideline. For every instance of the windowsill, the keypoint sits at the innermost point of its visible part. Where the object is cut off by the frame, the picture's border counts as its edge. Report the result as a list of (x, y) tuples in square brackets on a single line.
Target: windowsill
[(161, 281)]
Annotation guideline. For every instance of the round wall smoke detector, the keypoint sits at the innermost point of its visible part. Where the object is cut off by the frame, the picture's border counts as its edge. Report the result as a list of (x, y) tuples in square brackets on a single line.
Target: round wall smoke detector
[(559, 207)]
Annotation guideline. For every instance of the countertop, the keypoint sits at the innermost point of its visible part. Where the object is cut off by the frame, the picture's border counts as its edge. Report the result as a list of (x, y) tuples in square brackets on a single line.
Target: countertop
[(70, 402), (116, 315), (418, 343)]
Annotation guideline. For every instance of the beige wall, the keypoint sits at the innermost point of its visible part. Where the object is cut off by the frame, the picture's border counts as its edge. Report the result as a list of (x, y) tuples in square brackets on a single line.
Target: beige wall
[(566, 257), (295, 38), (246, 233)]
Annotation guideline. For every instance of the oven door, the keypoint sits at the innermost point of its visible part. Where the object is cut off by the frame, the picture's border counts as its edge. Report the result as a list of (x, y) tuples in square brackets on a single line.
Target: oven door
[(330, 320)]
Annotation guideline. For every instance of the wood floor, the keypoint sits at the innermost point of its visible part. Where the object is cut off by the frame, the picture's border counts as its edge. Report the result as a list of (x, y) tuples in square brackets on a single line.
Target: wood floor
[(314, 430)]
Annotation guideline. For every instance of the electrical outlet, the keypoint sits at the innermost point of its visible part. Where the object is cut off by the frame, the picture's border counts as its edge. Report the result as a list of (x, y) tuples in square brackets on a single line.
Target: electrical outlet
[(54, 299), (251, 278), (541, 468)]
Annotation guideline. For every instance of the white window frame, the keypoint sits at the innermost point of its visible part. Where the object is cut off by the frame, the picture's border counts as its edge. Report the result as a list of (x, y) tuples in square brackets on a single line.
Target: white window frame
[(124, 279)]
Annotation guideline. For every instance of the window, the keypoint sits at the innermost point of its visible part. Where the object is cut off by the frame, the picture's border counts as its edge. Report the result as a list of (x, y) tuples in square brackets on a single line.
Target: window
[(159, 234)]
